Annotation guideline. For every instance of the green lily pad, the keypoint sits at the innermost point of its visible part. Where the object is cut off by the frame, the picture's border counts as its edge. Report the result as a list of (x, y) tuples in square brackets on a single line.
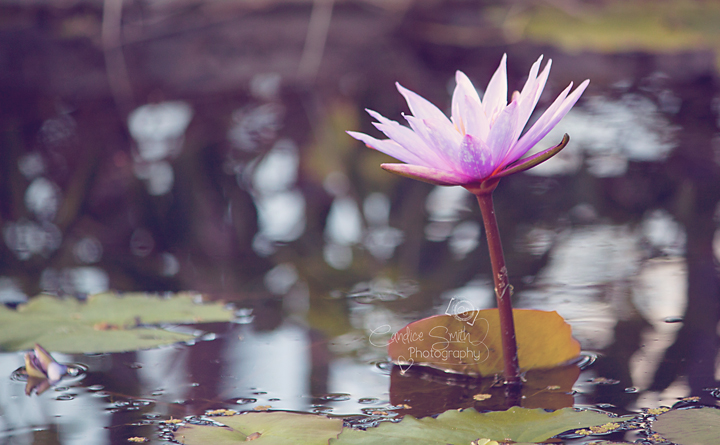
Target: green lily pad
[(104, 323), (461, 427), (263, 429), (699, 426)]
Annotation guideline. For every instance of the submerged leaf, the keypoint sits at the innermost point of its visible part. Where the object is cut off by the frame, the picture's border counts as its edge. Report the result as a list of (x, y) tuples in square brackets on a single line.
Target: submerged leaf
[(461, 427), (104, 323), (470, 343), (699, 426), (264, 429)]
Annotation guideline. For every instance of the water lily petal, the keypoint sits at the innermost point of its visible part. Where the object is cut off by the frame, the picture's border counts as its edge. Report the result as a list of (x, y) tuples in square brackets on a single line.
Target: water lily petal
[(495, 98), (547, 121), (444, 155), (476, 122), (475, 158), (408, 139), (465, 102), (531, 92), (532, 77), (56, 371), (427, 174), (421, 107), (389, 147), (468, 114), (43, 357), (444, 142), (504, 133), (33, 368), (466, 87)]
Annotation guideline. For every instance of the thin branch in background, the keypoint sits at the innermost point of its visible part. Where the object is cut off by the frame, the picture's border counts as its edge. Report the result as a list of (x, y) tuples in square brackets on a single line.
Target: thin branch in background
[(115, 66), (315, 39)]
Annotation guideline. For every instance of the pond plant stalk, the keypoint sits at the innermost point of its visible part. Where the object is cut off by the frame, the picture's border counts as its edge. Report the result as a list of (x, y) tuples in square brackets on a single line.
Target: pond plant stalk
[(503, 289), (481, 142)]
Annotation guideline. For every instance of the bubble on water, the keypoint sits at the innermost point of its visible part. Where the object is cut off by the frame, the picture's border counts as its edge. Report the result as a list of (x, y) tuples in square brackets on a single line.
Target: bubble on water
[(245, 401), (586, 359), (66, 397), (631, 390), (385, 366), (362, 422), (605, 405), (368, 400), (244, 316), (382, 289), (334, 397)]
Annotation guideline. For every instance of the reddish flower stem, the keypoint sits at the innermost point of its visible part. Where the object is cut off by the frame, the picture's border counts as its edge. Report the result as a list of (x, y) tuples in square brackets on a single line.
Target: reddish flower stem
[(503, 291)]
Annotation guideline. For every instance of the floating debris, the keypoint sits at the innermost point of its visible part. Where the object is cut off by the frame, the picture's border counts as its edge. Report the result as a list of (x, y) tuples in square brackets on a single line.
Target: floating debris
[(221, 412), (172, 421), (602, 429)]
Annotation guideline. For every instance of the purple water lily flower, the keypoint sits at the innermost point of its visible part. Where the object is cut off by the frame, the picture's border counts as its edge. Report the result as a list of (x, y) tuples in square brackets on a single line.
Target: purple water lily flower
[(42, 370), (482, 141)]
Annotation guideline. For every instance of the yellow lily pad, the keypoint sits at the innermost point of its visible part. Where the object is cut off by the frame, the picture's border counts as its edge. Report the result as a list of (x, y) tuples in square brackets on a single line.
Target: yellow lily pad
[(470, 343)]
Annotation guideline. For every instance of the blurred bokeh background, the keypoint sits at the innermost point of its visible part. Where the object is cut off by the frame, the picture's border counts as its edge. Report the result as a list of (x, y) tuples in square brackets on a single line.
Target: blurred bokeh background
[(200, 145)]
